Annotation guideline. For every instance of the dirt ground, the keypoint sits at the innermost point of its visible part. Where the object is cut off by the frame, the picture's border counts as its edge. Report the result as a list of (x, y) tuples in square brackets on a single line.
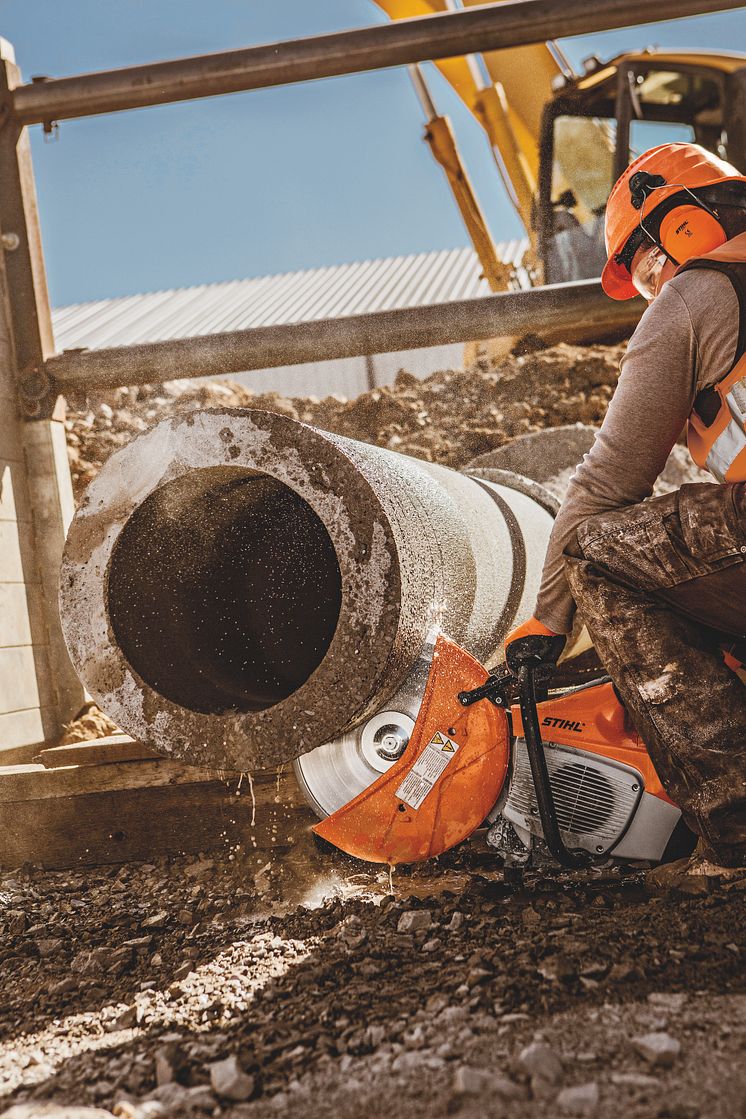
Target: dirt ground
[(315, 986), (177, 989)]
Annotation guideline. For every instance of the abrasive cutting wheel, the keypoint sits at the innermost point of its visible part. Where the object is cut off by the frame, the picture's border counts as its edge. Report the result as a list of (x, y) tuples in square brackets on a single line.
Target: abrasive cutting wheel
[(332, 774)]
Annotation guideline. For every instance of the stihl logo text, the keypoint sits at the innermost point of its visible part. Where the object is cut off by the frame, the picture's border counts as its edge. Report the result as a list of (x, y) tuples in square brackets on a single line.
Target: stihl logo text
[(563, 724)]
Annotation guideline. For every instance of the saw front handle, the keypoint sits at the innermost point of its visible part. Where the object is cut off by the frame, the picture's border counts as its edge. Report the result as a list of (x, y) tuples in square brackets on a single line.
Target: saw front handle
[(540, 773), (530, 660)]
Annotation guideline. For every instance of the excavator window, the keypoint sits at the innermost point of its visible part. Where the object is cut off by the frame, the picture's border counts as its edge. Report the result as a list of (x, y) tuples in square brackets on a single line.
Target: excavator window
[(690, 102), (644, 134), (593, 129), (582, 176)]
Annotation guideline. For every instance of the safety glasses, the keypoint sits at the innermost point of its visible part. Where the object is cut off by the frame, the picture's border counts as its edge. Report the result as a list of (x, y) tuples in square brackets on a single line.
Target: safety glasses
[(646, 269)]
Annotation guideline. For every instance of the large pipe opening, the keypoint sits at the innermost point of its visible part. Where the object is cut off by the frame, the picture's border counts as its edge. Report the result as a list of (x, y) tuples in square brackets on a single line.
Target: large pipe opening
[(224, 590)]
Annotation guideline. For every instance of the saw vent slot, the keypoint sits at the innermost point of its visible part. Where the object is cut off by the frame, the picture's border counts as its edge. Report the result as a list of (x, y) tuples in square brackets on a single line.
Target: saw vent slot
[(594, 799)]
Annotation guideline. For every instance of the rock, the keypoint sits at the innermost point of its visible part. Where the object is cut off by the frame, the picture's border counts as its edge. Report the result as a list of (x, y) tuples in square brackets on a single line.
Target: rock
[(229, 1081), (634, 1080), (199, 869), (174, 1100), (51, 1110), (668, 1000), (413, 1060), (125, 1020), (530, 917), (167, 1058), (477, 975), (15, 922), (48, 946), (138, 942), (579, 1100), (469, 1081), (557, 969), (414, 920), (64, 987), (621, 973), (456, 921), (658, 1049), (157, 921), (541, 1062), (375, 1036)]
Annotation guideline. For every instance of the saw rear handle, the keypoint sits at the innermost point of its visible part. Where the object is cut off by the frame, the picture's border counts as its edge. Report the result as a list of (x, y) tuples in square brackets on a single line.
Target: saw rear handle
[(530, 660)]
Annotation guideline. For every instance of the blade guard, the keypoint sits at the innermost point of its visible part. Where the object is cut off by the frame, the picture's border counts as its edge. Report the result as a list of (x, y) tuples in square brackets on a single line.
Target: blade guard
[(403, 817)]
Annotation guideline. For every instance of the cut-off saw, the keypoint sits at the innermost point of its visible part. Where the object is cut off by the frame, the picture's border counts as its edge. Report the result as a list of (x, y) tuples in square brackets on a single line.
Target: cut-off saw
[(553, 775)]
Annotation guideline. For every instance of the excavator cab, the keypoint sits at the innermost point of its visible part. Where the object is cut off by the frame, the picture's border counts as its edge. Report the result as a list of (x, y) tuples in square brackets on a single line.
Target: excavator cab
[(561, 139), (598, 122)]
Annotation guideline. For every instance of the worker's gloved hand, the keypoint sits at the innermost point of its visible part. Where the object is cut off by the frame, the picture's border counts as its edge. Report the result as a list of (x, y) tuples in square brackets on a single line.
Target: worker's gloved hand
[(532, 641), (533, 625)]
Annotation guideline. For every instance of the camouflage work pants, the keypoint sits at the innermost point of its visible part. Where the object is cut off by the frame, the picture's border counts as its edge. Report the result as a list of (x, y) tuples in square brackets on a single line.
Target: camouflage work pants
[(659, 586)]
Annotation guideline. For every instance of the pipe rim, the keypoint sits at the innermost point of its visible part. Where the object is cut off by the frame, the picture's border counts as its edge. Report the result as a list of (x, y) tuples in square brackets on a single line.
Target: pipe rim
[(316, 467)]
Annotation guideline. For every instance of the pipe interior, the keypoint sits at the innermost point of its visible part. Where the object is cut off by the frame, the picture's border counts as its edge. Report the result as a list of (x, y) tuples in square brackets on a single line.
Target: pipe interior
[(224, 590)]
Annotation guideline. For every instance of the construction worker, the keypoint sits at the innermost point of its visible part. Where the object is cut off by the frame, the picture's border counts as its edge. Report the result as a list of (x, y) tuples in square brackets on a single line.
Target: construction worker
[(661, 583)]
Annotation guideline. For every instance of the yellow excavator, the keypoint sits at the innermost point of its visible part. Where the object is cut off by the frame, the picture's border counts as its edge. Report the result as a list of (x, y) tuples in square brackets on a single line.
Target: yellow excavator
[(560, 139)]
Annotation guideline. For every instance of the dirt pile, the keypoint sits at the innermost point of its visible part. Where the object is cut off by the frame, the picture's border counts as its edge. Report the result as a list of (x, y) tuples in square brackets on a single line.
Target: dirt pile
[(161, 990), (450, 418), (89, 724)]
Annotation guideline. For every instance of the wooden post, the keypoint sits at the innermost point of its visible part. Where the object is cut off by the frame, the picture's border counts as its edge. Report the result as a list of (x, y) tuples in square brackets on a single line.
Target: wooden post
[(39, 690)]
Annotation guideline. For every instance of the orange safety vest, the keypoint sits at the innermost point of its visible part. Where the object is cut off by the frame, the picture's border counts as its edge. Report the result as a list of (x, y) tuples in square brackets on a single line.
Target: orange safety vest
[(716, 430)]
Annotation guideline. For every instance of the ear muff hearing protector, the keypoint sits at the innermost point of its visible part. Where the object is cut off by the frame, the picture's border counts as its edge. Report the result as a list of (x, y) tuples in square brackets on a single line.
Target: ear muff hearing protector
[(689, 231)]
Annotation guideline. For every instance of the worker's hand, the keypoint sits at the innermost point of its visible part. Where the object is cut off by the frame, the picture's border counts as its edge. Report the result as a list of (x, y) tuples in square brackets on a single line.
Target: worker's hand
[(529, 650)]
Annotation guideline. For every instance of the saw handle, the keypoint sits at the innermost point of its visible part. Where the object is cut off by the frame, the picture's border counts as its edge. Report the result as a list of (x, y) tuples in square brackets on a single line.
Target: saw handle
[(526, 672)]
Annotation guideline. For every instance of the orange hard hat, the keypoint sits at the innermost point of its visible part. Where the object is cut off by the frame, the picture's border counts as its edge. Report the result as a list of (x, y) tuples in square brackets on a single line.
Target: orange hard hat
[(668, 168)]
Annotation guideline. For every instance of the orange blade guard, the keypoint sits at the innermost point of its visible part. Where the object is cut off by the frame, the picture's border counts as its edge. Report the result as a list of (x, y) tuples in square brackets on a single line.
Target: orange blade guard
[(444, 784)]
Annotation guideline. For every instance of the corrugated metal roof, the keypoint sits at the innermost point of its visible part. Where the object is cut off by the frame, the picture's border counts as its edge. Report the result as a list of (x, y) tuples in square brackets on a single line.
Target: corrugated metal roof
[(318, 293)]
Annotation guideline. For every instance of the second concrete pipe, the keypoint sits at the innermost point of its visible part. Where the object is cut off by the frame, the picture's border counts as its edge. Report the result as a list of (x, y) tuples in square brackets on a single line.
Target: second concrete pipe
[(238, 588)]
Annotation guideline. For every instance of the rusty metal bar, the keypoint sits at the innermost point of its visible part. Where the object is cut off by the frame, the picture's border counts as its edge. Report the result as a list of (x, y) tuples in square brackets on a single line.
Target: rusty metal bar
[(566, 312), (485, 28)]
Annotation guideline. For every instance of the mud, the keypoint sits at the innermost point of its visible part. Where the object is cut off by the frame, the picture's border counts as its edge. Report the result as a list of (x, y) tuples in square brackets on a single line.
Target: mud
[(123, 989)]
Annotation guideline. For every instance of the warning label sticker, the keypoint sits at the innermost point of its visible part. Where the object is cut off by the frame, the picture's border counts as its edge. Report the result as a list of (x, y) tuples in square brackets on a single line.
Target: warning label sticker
[(427, 770)]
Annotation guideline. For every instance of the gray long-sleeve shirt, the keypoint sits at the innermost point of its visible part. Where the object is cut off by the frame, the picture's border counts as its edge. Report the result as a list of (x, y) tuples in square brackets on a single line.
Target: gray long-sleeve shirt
[(685, 341)]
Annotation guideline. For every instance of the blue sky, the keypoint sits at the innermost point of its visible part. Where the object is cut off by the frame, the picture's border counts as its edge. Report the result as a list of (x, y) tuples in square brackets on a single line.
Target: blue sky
[(260, 182)]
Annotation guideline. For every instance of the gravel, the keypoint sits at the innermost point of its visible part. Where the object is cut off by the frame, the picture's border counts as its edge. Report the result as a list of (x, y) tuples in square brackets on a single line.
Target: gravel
[(262, 1008)]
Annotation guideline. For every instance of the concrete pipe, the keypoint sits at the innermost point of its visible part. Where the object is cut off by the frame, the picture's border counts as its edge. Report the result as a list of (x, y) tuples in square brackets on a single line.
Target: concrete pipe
[(238, 588)]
